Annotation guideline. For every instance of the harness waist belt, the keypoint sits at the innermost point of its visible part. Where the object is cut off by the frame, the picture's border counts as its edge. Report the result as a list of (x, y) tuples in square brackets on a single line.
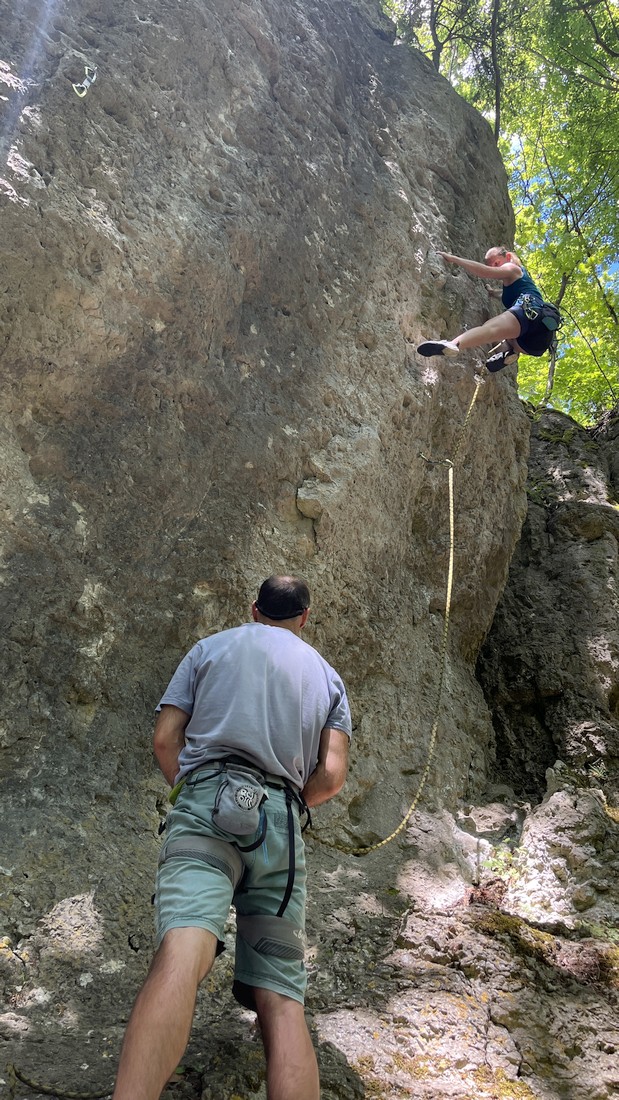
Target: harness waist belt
[(271, 780)]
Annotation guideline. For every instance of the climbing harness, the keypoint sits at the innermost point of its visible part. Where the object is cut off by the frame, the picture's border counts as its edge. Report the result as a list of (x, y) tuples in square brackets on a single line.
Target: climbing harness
[(89, 78), (449, 465), (551, 317), (239, 804), (546, 312)]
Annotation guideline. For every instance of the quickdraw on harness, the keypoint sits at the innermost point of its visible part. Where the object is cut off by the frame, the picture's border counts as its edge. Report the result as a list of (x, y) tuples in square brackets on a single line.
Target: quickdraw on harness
[(449, 465), (546, 312)]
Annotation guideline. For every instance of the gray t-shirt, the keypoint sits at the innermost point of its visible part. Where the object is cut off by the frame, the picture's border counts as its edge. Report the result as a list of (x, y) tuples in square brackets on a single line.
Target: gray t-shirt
[(260, 692)]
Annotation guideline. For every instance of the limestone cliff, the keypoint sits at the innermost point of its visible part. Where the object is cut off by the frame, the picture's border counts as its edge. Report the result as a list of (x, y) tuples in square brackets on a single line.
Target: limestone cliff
[(215, 267)]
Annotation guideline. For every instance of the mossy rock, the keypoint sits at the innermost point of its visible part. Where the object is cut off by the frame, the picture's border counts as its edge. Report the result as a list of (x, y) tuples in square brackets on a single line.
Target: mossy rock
[(523, 939), (504, 1087)]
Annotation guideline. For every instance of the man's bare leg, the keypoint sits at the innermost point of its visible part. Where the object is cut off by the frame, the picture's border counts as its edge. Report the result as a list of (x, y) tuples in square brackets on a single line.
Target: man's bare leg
[(160, 1022), (292, 1069)]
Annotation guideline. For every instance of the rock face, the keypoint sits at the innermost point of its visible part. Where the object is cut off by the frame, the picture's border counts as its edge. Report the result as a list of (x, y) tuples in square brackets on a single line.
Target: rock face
[(550, 669), (215, 267), (551, 663)]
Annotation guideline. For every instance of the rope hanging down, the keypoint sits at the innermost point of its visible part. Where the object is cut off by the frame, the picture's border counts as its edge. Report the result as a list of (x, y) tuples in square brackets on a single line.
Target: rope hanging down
[(449, 464), (55, 1091)]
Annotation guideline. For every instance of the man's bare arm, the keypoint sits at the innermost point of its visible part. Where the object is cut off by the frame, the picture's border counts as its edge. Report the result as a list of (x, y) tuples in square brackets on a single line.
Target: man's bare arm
[(507, 273), (329, 775), (169, 739)]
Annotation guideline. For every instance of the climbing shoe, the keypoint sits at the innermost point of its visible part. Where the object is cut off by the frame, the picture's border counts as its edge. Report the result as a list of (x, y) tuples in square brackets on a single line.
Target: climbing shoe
[(501, 359), (439, 347)]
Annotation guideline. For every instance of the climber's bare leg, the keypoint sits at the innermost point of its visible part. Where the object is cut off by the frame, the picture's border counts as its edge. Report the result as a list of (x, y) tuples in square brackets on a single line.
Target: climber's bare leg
[(504, 327)]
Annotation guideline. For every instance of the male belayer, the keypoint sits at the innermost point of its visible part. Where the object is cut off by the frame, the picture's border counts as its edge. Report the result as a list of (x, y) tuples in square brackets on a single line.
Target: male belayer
[(253, 729), (528, 324)]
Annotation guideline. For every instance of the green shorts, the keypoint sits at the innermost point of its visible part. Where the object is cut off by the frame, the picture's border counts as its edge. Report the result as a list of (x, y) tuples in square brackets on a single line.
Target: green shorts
[(196, 887)]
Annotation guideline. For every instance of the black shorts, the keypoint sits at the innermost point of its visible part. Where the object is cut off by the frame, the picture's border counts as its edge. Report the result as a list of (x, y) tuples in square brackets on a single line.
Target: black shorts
[(535, 339)]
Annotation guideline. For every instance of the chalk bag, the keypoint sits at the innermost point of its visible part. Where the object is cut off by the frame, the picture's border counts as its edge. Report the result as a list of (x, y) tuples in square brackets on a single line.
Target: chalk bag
[(239, 797)]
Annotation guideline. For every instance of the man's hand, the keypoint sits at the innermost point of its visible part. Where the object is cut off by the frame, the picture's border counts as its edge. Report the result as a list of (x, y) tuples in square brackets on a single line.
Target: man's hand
[(330, 772), (169, 739), (449, 257)]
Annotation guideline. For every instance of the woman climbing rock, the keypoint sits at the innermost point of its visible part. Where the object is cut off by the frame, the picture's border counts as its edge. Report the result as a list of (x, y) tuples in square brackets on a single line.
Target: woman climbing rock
[(528, 324)]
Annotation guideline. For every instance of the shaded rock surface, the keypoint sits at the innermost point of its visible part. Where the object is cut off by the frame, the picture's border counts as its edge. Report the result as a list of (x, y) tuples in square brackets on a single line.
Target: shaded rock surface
[(550, 666), (215, 267)]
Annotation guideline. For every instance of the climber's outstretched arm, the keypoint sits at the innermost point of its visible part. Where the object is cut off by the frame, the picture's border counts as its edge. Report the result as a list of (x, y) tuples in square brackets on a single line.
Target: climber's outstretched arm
[(507, 272)]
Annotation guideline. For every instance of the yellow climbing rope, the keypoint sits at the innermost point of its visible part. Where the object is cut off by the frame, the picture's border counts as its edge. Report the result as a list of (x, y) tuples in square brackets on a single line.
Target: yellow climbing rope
[(55, 1090), (449, 464)]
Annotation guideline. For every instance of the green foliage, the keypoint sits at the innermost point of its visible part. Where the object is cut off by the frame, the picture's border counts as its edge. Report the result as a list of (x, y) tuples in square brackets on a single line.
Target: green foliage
[(603, 931), (447, 31), (502, 862), (546, 72)]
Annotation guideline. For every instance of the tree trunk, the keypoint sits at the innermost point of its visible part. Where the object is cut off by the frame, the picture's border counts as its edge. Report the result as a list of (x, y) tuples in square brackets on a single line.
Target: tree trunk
[(496, 67)]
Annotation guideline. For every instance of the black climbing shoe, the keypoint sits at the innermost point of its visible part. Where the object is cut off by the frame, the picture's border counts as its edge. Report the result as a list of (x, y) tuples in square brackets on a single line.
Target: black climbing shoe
[(501, 359), (439, 347)]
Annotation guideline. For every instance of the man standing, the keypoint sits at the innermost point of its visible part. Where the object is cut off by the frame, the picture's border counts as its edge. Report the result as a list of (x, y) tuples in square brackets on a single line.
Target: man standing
[(254, 724)]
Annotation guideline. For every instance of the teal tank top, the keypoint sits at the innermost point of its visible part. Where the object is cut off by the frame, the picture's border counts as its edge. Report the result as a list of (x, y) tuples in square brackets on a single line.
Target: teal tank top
[(523, 285)]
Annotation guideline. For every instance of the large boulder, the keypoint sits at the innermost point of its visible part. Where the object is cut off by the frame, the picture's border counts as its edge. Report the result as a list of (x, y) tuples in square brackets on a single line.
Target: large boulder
[(216, 265)]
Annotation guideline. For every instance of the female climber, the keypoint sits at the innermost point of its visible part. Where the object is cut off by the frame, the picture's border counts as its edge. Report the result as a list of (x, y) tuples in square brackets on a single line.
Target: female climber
[(521, 328)]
